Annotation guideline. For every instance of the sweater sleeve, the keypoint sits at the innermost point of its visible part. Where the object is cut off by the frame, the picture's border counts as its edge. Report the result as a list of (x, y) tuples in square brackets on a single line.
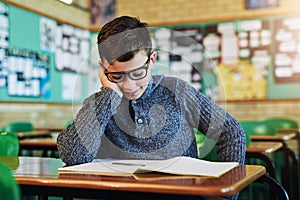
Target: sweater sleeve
[(216, 124), (79, 142)]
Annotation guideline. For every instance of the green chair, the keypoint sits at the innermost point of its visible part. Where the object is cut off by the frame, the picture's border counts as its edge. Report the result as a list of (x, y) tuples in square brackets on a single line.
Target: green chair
[(286, 123), (68, 123), (207, 150), (253, 127), (9, 188), (9, 144), (18, 126), (281, 123)]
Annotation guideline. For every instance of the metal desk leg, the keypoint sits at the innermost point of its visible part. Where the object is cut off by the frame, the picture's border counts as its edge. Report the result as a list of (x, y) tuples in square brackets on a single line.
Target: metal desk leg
[(275, 187), (294, 175), (270, 165)]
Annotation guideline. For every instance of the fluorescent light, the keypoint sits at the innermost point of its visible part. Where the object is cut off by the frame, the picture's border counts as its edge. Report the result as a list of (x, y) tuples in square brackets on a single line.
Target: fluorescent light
[(67, 1)]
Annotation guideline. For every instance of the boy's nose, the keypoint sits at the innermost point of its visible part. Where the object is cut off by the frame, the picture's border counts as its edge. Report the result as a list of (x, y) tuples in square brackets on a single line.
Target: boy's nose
[(128, 82)]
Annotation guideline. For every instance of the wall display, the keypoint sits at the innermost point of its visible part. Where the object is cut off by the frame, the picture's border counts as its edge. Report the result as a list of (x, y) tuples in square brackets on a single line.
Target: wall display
[(211, 43), (287, 50), (48, 34), (255, 4), (186, 56), (4, 39), (238, 50), (28, 70), (239, 54), (27, 73), (71, 45), (71, 87), (255, 38), (102, 11), (93, 79), (72, 49), (161, 39), (179, 53)]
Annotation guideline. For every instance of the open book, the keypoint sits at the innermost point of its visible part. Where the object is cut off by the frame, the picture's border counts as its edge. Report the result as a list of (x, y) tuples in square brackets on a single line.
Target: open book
[(177, 165)]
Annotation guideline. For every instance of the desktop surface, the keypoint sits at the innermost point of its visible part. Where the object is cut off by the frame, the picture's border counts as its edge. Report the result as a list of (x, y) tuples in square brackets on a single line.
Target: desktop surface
[(38, 175)]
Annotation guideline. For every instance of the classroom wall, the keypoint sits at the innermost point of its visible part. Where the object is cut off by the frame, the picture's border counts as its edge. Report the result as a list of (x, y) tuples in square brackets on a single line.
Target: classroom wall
[(170, 12), (56, 10), (156, 13)]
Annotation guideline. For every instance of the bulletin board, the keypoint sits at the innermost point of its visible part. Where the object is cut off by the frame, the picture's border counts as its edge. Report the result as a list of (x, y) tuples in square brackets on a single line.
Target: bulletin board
[(287, 50), (23, 31), (251, 63), (28, 65), (179, 53)]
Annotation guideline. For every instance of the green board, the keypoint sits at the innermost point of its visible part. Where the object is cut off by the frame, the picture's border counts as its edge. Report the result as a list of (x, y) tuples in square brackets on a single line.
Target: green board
[(24, 34)]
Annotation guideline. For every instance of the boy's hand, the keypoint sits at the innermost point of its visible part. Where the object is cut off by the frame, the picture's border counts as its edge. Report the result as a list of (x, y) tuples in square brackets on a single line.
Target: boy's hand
[(106, 83)]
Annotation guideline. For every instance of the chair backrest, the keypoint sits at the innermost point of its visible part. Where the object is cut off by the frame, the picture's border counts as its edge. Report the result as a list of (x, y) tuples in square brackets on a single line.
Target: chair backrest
[(20, 126), (253, 127), (9, 144), (68, 123), (9, 187), (206, 147), (281, 123)]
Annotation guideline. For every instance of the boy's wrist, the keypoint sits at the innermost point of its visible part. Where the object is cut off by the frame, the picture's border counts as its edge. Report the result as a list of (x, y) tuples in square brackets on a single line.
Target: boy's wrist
[(114, 89), (107, 87)]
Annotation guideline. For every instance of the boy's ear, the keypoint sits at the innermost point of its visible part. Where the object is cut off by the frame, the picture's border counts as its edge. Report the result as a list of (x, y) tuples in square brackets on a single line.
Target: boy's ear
[(102, 63), (153, 57)]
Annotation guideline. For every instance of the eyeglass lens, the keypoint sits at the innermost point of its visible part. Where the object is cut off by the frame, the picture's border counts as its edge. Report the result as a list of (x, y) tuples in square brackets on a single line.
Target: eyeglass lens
[(135, 74)]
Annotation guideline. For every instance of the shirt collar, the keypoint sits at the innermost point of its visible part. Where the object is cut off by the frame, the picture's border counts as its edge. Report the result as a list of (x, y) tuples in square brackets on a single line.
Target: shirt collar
[(153, 83)]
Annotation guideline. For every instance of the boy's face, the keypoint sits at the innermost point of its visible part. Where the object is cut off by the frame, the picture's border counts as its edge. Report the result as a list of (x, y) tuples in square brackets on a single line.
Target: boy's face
[(139, 68)]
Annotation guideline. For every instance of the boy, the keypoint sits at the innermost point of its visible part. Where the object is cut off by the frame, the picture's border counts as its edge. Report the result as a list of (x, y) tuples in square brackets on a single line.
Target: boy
[(142, 116)]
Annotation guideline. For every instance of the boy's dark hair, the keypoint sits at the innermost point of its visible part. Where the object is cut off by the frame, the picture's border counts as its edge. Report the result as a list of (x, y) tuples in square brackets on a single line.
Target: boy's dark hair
[(122, 38)]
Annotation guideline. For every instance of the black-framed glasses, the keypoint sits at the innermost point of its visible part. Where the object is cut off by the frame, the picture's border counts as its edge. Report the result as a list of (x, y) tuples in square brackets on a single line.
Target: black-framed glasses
[(134, 74)]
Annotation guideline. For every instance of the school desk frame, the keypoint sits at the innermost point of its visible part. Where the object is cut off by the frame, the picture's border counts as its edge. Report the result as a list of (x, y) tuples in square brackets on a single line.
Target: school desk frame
[(45, 181)]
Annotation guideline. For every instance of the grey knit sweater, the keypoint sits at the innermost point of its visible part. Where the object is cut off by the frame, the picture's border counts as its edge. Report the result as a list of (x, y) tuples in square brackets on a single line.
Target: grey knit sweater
[(158, 125)]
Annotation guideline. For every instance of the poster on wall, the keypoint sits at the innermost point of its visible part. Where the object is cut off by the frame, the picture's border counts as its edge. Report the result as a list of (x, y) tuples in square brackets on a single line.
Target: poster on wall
[(258, 4), (72, 49), (239, 52), (161, 41), (287, 50), (186, 57), (47, 34), (179, 53), (94, 84), (4, 39), (71, 87), (211, 43), (101, 11), (71, 45), (27, 73)]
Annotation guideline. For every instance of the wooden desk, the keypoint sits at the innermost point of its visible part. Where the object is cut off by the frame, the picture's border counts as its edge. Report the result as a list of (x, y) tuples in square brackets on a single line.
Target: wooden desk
[(57, 129), (34, 134), (38, 143), (43, 144), (278, 137), (292, 130), (263, 147), (289, 153), (39, 176), (258, 150)]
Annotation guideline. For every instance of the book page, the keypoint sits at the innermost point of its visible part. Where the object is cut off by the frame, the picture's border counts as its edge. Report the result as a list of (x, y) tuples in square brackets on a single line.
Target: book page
[(107, 167), (177, 165), (189, 166)]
